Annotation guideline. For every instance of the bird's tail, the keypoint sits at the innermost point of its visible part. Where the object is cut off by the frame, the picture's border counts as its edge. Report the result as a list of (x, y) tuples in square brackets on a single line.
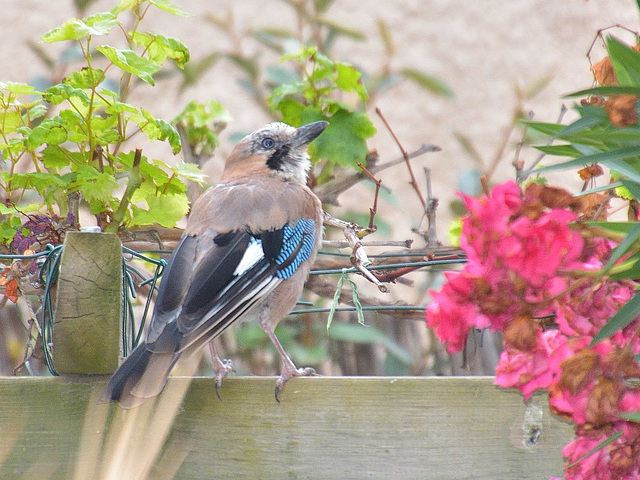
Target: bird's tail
[(141, 376)]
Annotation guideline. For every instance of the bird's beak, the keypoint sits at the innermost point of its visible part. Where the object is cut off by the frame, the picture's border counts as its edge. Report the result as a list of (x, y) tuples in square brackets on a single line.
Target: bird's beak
[(308, 133)]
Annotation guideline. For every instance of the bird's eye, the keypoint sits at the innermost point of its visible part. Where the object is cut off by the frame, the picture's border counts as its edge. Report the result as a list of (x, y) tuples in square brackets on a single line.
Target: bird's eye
[(268, 143)]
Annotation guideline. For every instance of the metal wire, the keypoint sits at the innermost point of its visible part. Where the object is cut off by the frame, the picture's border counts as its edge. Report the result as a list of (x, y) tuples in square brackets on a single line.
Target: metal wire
[(47, 277), (428, 263), (377, 308), (48, 262)]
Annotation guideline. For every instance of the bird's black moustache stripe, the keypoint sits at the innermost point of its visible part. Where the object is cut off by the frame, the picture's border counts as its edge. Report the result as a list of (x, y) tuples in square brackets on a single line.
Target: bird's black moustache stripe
[(276, 159)]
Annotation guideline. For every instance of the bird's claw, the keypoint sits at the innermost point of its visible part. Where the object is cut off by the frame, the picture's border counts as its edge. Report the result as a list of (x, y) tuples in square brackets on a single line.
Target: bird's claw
[(289, 373), (221, 368)]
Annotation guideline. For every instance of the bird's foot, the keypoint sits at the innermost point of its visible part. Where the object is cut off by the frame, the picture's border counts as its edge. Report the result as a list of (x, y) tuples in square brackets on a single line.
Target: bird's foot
[(221, 368), (288, 372)]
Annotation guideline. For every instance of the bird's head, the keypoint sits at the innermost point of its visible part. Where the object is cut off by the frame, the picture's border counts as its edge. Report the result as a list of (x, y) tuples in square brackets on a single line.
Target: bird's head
[(276, 148)]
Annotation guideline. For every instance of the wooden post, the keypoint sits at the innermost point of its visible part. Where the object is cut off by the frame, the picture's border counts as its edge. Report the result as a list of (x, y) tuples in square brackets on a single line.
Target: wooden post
[(88, 311)]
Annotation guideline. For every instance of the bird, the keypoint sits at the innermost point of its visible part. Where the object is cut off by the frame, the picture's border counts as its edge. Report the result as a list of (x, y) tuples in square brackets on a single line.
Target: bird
[(246, 251)]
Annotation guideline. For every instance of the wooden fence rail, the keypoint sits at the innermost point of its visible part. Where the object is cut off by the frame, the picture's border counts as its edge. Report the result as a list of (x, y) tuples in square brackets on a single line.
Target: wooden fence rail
[(324, 428)]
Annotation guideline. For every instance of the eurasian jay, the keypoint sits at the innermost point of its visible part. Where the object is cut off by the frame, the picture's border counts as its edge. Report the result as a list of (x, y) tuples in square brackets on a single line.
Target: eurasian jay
[(246, 251)]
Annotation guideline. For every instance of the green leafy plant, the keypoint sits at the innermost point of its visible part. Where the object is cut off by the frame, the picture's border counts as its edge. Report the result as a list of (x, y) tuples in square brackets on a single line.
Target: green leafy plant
[(607, 134), (312, 97), (309, 83), (74, 135)]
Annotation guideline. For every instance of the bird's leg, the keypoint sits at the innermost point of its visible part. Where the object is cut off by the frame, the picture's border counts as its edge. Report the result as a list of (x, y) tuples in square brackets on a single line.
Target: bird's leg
[(289, 368), (220, 367)]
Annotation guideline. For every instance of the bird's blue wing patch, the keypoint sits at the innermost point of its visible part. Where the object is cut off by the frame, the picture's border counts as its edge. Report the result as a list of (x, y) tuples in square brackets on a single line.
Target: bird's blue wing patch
[(289, 246)]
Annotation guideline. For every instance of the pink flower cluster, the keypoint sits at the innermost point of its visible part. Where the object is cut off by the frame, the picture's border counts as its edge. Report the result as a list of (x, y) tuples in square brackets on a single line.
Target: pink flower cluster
[(527, 263)]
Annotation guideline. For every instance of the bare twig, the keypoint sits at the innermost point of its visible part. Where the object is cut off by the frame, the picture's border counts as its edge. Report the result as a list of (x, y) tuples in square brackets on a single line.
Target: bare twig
[(329, 192), (405, 155), (517, 163), (373, 210), (430, 210), (359, 260), (373, 243), (485, 185)]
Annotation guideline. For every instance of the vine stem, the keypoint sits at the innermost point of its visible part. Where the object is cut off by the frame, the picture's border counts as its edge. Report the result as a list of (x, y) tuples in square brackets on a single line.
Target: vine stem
[(135, 180)]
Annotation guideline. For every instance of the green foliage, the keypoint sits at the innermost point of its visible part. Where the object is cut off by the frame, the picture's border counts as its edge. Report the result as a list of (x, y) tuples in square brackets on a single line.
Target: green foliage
[(203, 122), (312, 97), (74, 134), (598, 136), (309, 84)]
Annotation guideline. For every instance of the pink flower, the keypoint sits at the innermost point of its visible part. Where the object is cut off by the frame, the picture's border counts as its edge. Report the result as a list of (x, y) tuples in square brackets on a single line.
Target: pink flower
[(538, 248), (527, 262), (535, 369), (526, 371), (619, 460)]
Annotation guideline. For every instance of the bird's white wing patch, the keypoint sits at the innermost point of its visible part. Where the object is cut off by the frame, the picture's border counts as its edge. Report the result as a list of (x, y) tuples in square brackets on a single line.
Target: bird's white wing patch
[(252, 255)]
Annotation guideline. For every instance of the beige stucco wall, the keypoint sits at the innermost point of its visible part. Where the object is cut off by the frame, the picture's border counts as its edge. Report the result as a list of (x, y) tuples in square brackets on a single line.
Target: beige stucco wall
[(482, 50)]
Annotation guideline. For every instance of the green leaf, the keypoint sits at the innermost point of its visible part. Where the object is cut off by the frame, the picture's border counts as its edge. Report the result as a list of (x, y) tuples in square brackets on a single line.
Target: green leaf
[(124, 5), (342, 29), (86, 78), (73, 29), (606, 91), (75, 125), (559, 150), (349, 78), (606, 137), (336, 298), (120, 107), (427, 82), (168, 7), (10, 121), (386, 36), (582, 124), (159, 48), (94, 185), (632, 187), (614, 159), (248, 65), (35, 180), (624, 246), (49, 131), (130, 62), (57, 157), (551, 129), (279, 94), (190, 171), (292, 110), (626, 62), (169, 133), (630, 416), (56, 94), (157, 129), (344, 140), (612, 438), (19, 88), (356, 300), (613, 227), (621, 319), (165, 210)]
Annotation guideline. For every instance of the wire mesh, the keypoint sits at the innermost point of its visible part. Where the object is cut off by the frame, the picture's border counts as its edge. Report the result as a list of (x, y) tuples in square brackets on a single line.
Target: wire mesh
[(133, 278), (48, 261)]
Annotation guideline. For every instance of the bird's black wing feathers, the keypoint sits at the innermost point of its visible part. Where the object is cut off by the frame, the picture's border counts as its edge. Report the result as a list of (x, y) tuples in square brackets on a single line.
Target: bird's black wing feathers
[(213, 279)]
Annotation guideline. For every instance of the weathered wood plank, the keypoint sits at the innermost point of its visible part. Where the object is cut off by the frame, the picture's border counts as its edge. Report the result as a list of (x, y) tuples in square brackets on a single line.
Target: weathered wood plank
[(324, 427), (87, 318)]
